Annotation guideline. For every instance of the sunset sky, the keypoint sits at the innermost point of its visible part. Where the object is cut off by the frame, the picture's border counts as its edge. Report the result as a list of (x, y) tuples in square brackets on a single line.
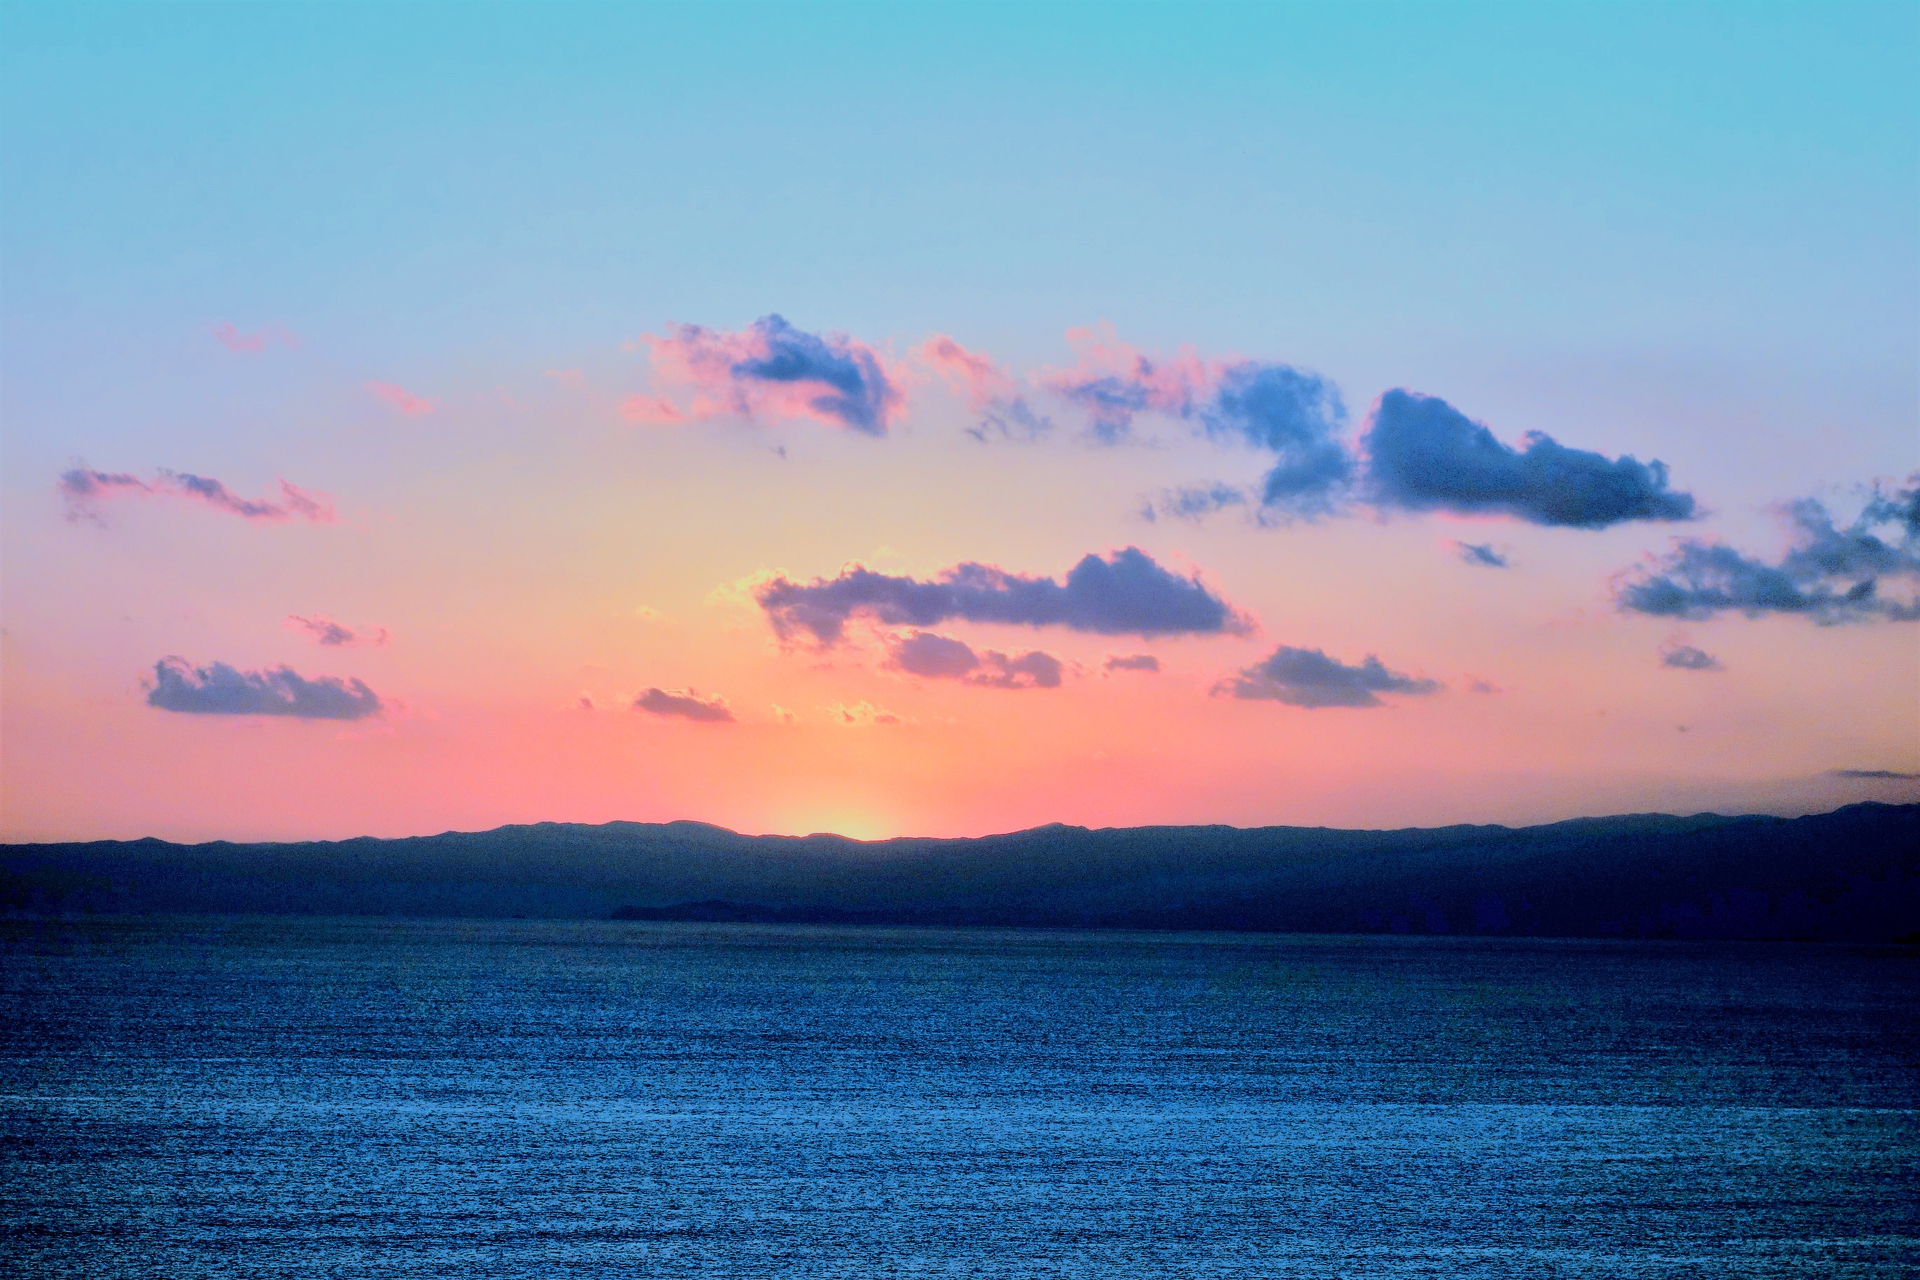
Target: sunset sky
[(946, 419)]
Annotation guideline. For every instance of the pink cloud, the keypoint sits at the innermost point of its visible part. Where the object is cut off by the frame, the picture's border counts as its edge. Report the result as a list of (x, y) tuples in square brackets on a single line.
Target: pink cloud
[(1113, 381), (973, 375), (323, 630), (994, 393), (246, 343), (402, 399), (771, 370), (652, 411), (84, 488)]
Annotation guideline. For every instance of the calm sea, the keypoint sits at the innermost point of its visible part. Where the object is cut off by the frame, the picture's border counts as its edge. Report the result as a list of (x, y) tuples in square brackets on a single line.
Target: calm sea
[(296, 1097)]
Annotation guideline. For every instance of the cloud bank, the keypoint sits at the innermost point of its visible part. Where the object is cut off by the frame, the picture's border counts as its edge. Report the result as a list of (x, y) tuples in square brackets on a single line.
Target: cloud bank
[(1417, 454), (1828, 573), (684, 704), (1126, 593), (84, 489), (221, 690), (769, 369), (1309, 678)]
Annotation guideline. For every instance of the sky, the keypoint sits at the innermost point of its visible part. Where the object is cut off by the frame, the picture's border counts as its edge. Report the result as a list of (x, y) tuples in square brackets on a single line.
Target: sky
[(945, 419)]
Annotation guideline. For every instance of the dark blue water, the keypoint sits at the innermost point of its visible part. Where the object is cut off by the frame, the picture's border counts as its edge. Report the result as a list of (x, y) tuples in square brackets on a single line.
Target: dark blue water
[(374, 1098)]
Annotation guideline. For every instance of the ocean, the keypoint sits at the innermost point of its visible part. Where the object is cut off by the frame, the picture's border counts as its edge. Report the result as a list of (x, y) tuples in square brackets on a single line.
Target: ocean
[(264, 1097)]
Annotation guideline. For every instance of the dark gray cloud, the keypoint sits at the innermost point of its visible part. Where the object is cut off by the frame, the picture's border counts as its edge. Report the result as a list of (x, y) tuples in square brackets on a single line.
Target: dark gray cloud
[(1421, 454), (684, 704), (861, 392), (940, 657), (1032, 670), (1883, 775), (1830, 574), (1125, 593), (1295, 416), (1425, 455), (1133, 662), (1687, 658), (1480, 553), (220, 690), (937, 657), (1309, 678)]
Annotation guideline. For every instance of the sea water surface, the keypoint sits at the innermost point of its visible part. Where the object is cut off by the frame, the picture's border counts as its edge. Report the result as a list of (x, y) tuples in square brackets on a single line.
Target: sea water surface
[(298, 1097)]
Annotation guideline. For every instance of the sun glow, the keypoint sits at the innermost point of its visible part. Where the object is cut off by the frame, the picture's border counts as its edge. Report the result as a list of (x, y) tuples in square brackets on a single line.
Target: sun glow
[(855, 824)]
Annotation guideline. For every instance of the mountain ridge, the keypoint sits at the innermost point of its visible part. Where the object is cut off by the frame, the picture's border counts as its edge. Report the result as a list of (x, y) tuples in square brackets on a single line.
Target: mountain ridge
[(1849, 875)]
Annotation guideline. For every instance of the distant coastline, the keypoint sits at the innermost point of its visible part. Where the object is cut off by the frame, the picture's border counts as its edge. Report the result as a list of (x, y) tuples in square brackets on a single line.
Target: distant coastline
[(1852, 875)]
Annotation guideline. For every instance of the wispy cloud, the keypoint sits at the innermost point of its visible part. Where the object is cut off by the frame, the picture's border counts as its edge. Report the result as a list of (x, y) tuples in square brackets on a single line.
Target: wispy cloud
[(1876, 775), (684, 704), (400, 398), (1480, 553), (84, 489), (249, 343), (324, 631), (1132, 662), (1194, 502), (1309, 678), (1829, 574), (768, 370), (1005, 412), (222, 690), (1124, 593), (651, 411)]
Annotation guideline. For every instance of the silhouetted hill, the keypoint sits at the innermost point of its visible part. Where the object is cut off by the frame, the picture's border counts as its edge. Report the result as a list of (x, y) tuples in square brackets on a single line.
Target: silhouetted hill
[(1853, 874)]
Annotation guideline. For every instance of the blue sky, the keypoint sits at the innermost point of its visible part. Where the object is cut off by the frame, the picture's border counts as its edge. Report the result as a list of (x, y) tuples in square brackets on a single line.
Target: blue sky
[(1676, 231)]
